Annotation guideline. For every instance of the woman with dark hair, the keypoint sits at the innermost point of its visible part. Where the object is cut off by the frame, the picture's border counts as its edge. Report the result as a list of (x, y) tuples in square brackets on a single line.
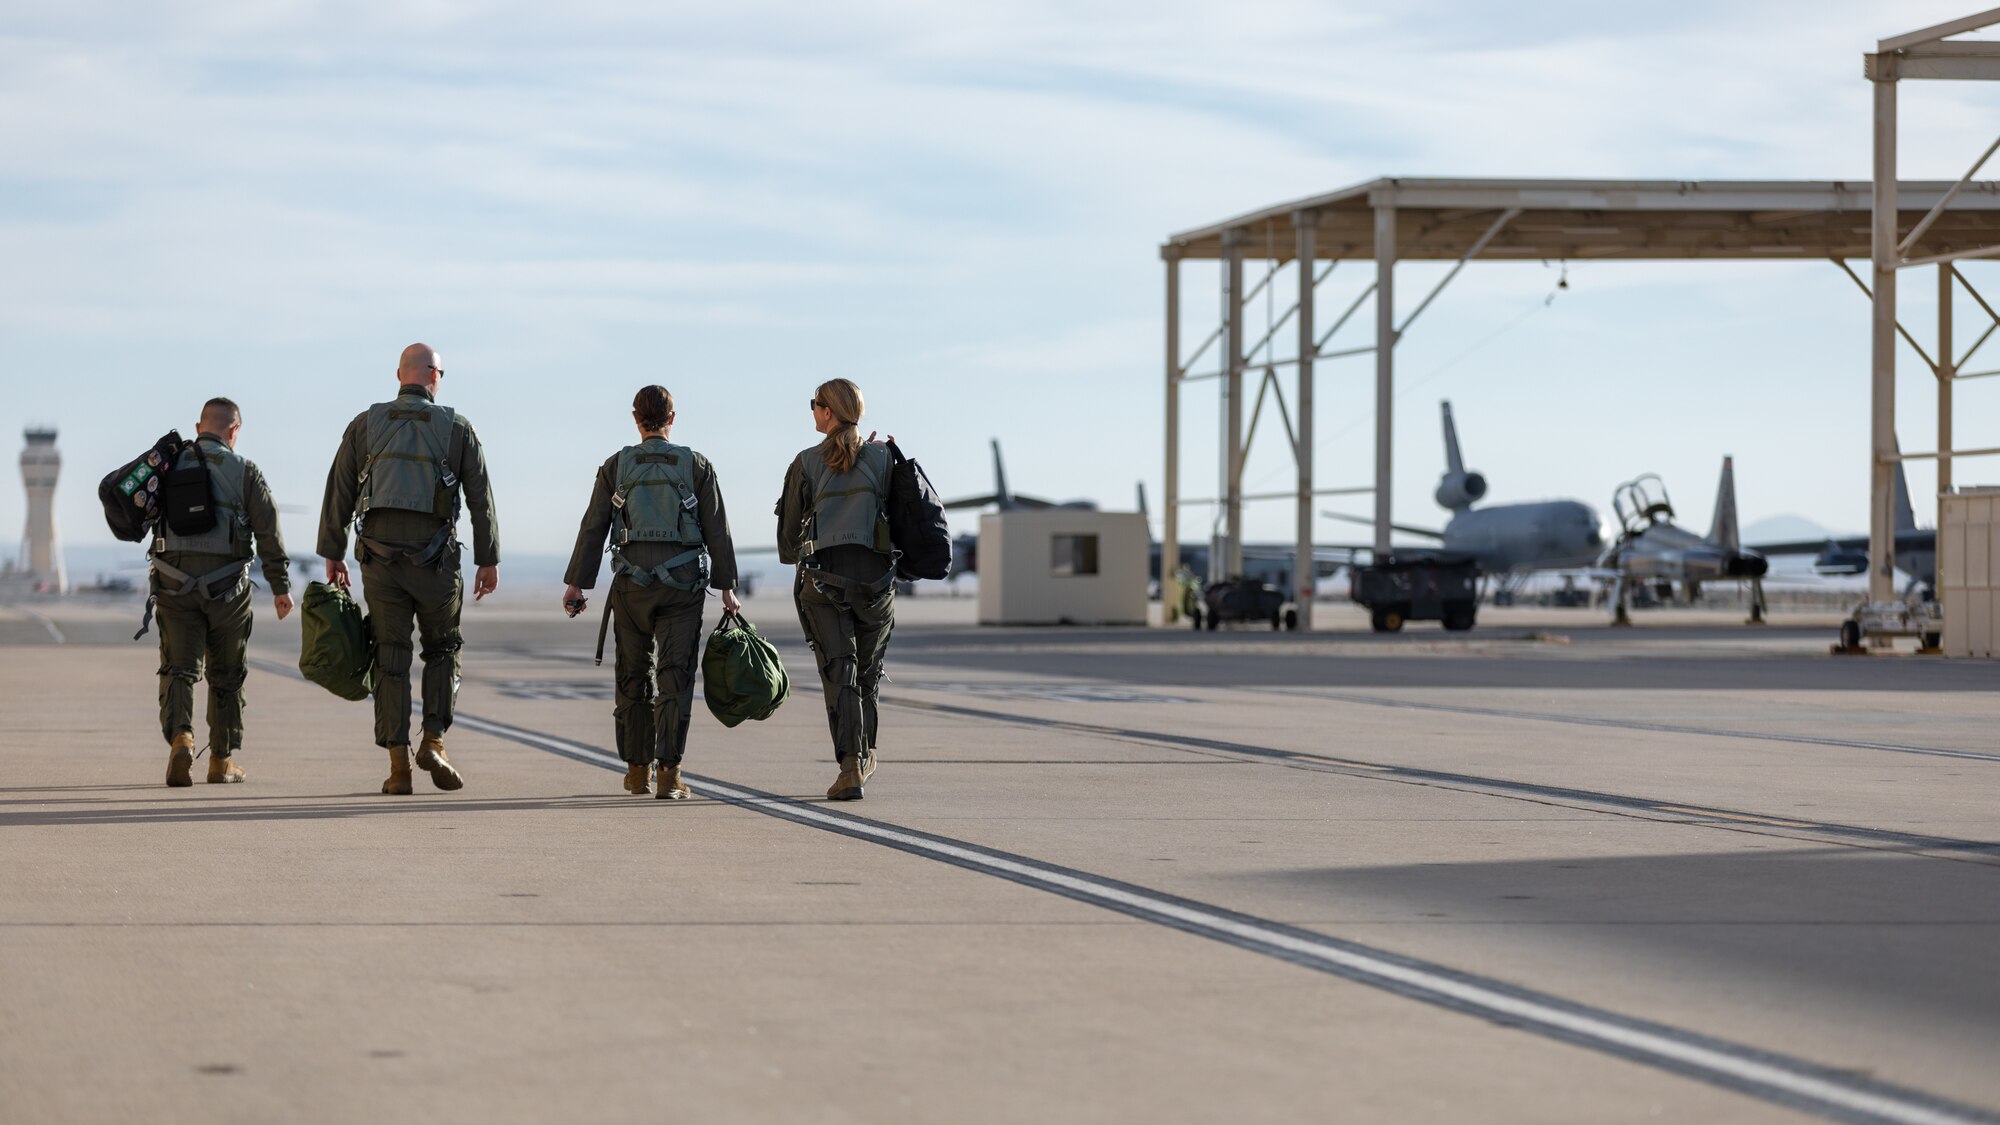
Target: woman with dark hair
[(660, 506), (833, 522)]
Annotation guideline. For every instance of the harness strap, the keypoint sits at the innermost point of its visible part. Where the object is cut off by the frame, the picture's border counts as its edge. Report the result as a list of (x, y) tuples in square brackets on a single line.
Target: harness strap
[(824, 579), (662, 573), (430, 554), (603, 627), (209, 585)]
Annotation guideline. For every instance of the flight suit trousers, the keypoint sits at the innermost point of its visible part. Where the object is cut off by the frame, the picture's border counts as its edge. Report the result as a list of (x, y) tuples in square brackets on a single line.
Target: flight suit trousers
[(402, 595), (849, 634), (200, 635), (658, 631)]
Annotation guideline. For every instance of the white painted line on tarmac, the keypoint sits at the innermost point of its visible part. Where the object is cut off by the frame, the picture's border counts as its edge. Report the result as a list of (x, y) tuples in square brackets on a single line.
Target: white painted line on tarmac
[(55, 633), (1763, 1074)]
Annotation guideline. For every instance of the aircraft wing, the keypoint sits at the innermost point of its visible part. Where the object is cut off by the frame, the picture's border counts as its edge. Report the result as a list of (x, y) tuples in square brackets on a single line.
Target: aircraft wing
[(1909, 538), (1342, 553), (972, 502), (1423, 532), (1015, 499), (1810, 546)]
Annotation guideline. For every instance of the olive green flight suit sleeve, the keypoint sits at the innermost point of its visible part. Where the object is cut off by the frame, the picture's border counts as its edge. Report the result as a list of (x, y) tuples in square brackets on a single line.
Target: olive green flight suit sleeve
[(343, 488), (596, 526), (469, 462), (263, 513), (714, 526), (793, 504)]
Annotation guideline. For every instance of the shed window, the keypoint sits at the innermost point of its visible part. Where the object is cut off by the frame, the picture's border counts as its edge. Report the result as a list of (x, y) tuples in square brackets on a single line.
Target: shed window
[(1073, 555)]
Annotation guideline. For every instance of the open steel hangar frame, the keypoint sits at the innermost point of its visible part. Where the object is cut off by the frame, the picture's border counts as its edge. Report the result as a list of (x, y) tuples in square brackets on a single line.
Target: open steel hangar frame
[(1932, 52), (1459, 220)]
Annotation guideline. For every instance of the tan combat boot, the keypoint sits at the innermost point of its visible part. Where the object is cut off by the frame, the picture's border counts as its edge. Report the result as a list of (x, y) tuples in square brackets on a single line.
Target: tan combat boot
[(430, 756), (180, 760), (847, 787), (671, 787), (222, 769), (399, 771), (867, 765), (637, 781)]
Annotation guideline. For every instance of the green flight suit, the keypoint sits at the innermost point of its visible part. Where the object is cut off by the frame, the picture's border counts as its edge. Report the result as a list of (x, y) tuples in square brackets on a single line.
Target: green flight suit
[(657, 628), (847, 607), (205, 632), (404, 594)]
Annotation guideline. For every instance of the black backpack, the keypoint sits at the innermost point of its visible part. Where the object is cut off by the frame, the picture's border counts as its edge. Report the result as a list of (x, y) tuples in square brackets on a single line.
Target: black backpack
[(916, 521), (187, 500), (131, 493)]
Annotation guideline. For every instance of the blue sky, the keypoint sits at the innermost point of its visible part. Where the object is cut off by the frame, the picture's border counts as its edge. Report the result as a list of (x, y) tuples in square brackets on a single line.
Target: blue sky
[(958, 206)]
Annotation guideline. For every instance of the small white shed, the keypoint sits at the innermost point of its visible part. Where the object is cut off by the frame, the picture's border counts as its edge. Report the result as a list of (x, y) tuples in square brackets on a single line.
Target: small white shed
[(1063, 566), (1968, 563)]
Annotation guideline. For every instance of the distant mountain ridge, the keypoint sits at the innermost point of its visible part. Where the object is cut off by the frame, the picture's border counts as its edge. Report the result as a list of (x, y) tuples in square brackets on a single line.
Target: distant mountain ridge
[(1787, 528)]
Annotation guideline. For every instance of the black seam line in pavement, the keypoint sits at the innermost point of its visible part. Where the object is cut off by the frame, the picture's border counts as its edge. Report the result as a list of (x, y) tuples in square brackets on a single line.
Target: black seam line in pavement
[(1627, 724), (1732, 818), (1780, 1079)]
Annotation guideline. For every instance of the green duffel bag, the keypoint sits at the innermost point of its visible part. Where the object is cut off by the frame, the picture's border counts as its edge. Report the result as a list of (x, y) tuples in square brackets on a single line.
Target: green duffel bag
[(336, 650), (741, 674)]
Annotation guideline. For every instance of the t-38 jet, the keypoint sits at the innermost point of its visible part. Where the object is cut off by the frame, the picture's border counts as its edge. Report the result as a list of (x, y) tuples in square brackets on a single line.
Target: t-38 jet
[(1652, 548)]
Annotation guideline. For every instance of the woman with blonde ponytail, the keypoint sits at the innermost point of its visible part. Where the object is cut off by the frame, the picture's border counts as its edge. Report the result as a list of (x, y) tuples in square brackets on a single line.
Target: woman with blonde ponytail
[(833, 523)]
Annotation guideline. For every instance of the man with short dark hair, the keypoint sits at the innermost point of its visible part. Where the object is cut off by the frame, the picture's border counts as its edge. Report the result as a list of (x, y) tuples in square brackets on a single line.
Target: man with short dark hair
[(403, 468), (200, 582)]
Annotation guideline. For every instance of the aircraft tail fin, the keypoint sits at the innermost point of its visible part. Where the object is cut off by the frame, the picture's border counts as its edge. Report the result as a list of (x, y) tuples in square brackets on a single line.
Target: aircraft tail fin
[(1723, 531), (1003, 497), (1453, 463), (1151, 539), (1906, 516)]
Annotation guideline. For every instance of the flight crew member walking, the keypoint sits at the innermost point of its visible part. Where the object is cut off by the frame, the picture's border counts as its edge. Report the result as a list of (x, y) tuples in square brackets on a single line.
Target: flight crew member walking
[(833, 522), (202, 586), (669, 532), (403, 467)]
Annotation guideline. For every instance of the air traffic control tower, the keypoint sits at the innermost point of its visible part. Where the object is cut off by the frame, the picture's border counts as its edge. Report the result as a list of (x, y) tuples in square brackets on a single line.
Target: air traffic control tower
[(41, 552)]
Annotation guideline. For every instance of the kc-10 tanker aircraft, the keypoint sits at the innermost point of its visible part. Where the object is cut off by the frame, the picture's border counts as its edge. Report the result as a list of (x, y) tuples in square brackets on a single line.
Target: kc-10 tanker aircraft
[(1506, 541)]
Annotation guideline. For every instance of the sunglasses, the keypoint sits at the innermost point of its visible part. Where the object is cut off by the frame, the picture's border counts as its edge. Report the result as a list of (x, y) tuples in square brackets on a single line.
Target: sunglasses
[(818, 405)]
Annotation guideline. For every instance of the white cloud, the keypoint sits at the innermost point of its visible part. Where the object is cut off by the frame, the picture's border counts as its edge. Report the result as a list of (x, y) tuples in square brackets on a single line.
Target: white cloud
[(934, 196)]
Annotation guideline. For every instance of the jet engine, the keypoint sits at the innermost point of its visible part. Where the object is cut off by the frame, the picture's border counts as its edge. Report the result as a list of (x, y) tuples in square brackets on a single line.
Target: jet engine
[(1458, 491)]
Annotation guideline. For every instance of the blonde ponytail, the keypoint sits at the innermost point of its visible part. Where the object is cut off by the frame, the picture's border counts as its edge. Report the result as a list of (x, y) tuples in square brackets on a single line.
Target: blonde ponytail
[(842, 447)]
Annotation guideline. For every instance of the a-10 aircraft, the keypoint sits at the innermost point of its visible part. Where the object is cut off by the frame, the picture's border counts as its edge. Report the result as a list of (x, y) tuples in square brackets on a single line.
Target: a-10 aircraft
[(965, 548), (1916, 547)]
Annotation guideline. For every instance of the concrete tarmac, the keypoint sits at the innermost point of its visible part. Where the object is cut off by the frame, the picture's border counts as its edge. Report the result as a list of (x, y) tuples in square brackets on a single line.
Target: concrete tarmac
[(1544, 871)]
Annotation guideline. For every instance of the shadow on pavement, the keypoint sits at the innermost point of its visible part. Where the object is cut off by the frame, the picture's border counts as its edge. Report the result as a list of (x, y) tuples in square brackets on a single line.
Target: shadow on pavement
[(333, 806), (1896, 932)]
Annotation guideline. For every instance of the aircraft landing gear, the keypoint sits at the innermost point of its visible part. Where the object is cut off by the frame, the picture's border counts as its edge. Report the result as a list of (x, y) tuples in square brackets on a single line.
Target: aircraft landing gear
[(1621, 609), (1757, 605)]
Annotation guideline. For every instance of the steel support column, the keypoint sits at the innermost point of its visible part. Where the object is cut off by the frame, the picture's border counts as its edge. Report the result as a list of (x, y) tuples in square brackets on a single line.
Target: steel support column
[(1385, 367), (1228, 559), (1170, 513), (1883, 248), (1947, 372), (1306, 224)]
